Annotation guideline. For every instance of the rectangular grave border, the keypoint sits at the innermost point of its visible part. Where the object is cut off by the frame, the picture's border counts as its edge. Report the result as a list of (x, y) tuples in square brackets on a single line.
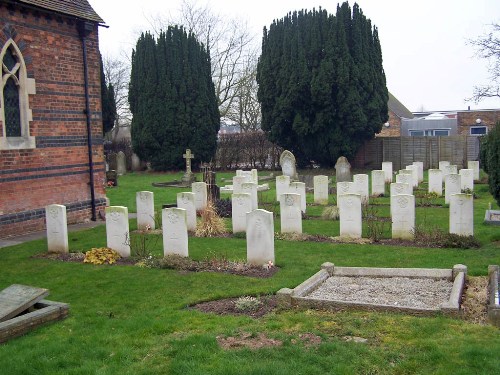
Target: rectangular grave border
[(493, 296), (297, 297)]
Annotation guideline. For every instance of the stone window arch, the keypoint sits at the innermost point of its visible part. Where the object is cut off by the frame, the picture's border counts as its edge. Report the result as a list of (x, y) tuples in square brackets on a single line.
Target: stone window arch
[(15, 86)]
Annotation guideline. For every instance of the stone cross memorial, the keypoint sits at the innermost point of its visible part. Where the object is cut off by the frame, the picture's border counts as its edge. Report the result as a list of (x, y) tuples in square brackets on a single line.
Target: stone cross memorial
[(290, 213), (175, 232), (241, 205), (387, 168), (57, 228), (350, 215), (200, 195), (260, 237), (436, 181), (188, 175), (145, 210), (462, 214), (186, 201), (403, 216), (321, 189), (282, 185), (117, 230), (378, 183)]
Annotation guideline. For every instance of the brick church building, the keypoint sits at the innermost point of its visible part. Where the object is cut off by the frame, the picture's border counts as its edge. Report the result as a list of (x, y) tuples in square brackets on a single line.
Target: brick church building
[(51, 144)]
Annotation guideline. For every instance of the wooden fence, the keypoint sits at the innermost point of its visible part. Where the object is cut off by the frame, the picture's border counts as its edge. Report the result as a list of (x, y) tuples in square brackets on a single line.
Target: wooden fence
[(403, 151)]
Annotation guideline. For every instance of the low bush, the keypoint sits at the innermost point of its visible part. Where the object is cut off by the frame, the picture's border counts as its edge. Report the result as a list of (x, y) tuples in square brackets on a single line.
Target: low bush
[(101, 255)]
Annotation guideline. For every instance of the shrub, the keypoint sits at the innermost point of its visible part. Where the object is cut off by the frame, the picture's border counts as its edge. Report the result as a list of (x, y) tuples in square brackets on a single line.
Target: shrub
[(223, 207), (101, 255), (493, 161), (436, 237), (211, 224), (247, 304), (330, 213)]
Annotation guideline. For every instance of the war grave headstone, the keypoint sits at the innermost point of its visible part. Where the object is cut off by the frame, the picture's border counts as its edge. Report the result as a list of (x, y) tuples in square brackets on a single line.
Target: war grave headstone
[(237, 181), (175, 232), (378, 183), (260, 237), (442, 165), (436, 181), (251, 188), (321, 189), (462, 214), (450, 169), (282, 185), (414, 174), (255, 176), (57, 228), (350, 215), (342, 169), (360, 182), (344, 187), (405, 178), (121, 163), (241, 205), (186, 201), (474, 165), (136, 163), (387, 168), (299, 188), (23, 308), (200, 195), (145, 210), (288, 165), (246, 174), (400, 188), (420, 170), (117, 230), (466, 179), (451, 186), (290, 213), (403, 216), (189, 176)]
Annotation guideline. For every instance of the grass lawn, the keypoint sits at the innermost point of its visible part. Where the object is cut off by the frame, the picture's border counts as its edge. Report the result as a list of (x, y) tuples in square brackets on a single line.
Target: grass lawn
[(131, 320)]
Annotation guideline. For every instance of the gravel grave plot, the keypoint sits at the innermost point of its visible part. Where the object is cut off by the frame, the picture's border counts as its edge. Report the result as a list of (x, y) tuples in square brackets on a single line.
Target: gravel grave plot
[(392, 291)]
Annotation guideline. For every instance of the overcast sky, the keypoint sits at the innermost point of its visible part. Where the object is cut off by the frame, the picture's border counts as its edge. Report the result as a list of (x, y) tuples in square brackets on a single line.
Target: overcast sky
[(427, 61)]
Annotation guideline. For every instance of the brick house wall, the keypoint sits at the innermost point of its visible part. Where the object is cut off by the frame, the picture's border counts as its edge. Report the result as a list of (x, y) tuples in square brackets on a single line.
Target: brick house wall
[(394, 128), (57, 169), (467, 119)]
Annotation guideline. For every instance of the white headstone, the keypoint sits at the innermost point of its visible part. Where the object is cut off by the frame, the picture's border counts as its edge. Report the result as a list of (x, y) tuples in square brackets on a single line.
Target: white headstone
[(260, 237), (350, 215), (321, 189), (401, 188), (342, 170), (290, 213), (378, 183), (237, 181), (442, 165), (121, 163), (117, 230), (462, 214), (420, 170), (145, 210), (299, 188), (246, 174), (186, 201), (57, 228), (466, 179), (344, 187), (414, 173), (403, 216), (241, 205), (175, 232), (387, 168), (405, 178), (451, 186), (282, 185), (287, 162), (255, 176), (136, 163), (200, 195), (450, 169), (251, 188), (436, 181), (474, 165), (361, 187)]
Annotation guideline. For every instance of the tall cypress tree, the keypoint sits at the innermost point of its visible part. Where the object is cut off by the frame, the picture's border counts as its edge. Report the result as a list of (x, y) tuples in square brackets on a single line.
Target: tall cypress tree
[(172, 99), (108, 102), (321, 83)]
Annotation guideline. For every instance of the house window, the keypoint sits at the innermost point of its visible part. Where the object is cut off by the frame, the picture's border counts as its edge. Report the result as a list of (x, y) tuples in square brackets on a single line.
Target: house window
[(15, 86), (430, 133), (416, 133), (478, 130)]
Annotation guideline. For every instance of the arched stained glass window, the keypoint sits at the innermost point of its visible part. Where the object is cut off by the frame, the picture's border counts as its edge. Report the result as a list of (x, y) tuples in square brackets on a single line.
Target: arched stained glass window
[(12, 110)]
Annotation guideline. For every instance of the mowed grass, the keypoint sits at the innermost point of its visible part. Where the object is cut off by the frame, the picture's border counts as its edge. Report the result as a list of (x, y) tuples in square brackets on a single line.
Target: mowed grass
[(131, 320)]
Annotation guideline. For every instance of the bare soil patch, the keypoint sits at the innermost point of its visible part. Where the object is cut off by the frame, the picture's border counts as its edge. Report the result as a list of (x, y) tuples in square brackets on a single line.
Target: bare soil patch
[(227, 307)]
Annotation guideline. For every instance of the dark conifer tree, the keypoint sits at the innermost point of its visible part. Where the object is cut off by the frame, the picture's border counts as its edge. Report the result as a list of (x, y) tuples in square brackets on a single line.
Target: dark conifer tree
[(172, 99), (108, 102), (321, 83)]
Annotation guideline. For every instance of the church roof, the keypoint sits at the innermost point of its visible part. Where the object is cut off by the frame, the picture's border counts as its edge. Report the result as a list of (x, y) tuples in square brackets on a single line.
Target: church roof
[(77, 8), (398, 108)]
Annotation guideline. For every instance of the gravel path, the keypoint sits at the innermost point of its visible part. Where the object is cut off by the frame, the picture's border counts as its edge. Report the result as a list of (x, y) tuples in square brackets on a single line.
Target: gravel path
[(394, 291)]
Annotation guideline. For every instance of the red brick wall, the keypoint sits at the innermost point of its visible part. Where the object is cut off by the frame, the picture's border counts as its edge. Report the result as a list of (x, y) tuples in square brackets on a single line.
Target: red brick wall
[(467, 119), (57, 170), (394, 129)]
